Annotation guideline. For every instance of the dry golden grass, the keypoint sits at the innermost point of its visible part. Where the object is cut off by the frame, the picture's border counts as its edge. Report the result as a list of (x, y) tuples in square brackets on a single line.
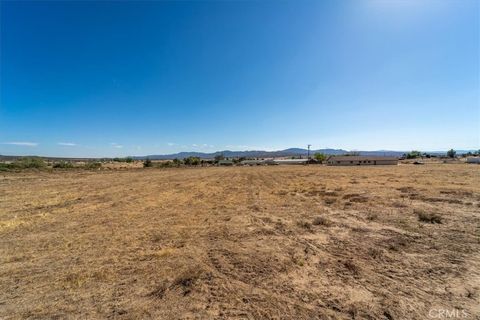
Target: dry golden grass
[(280, 242)]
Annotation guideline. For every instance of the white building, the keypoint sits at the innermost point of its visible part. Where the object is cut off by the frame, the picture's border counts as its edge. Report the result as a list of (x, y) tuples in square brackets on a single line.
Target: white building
[(473, 160)]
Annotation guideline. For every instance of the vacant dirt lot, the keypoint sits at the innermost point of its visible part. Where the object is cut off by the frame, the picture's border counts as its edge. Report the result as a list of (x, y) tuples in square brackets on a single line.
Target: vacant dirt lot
[(280, 242)]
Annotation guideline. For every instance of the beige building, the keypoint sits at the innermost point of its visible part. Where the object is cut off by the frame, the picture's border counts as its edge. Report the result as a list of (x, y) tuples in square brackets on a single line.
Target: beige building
[(361, 161)]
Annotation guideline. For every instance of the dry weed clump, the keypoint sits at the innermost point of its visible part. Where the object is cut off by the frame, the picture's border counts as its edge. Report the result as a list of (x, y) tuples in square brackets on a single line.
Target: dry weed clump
[(428, 217), (397, 243), (305, 225), (183, 283), (321, 221), (372, 216), (398, 204), (352, 267), (375, 253), (329, 201)]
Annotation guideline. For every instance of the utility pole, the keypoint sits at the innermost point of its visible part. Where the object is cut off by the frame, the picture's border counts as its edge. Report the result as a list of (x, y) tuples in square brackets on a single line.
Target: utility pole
[(308, 152)]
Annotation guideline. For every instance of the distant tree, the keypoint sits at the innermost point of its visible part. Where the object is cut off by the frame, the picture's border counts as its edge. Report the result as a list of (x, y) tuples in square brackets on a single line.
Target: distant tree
[(320, 157), (219, 157), (177, 162), (413, 154), (127, 159), (147, 163), (192, 161), (451, 153)]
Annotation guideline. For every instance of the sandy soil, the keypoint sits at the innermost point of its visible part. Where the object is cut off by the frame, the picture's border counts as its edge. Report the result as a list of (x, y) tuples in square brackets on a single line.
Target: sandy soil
[(280, 242)]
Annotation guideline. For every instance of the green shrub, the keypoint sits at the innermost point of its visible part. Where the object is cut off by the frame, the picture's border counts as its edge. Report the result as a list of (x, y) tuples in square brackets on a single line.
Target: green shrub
[(26, 163)]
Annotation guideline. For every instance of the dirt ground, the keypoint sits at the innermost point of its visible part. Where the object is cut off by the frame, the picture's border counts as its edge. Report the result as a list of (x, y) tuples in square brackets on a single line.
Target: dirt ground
[(284, 242)]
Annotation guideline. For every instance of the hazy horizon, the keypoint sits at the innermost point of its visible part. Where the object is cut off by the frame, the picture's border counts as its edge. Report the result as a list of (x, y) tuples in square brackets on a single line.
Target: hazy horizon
[(106, 79)]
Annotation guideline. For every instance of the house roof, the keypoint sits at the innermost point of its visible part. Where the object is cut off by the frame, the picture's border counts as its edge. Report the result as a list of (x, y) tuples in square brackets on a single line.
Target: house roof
[(361, 158), (290, 160)]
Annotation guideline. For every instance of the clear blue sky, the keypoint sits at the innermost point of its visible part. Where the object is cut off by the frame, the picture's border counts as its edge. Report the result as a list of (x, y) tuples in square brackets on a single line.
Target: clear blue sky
[(134, 78)]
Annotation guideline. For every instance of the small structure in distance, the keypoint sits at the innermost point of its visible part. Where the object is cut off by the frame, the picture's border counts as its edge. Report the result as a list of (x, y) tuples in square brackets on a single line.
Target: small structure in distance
[(473, 160), (225, 163)]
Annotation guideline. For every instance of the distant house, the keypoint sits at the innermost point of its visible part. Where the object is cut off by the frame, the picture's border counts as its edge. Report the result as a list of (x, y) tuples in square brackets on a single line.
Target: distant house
[(291, 161), (361, 161), (473, 160), (225, 163)]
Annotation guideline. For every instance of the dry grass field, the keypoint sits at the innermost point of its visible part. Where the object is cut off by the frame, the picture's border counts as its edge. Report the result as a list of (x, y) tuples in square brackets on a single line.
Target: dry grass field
[(285, 242)]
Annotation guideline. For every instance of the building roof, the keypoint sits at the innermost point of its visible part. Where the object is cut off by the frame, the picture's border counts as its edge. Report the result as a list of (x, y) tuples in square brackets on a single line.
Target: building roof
[(290, 160), (361, 158)]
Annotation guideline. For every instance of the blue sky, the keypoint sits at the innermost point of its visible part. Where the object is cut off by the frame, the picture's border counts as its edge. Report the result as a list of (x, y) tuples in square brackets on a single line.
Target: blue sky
[(134, 78)]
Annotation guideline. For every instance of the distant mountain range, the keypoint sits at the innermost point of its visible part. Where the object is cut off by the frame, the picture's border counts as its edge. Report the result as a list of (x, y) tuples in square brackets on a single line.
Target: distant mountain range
[(291, 152)]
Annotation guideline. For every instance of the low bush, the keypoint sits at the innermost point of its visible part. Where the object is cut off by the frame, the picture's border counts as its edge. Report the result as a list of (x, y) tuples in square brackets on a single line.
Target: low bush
[(24, 163), (92, 165), (63, 165), (147, 163), (168, 164)]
